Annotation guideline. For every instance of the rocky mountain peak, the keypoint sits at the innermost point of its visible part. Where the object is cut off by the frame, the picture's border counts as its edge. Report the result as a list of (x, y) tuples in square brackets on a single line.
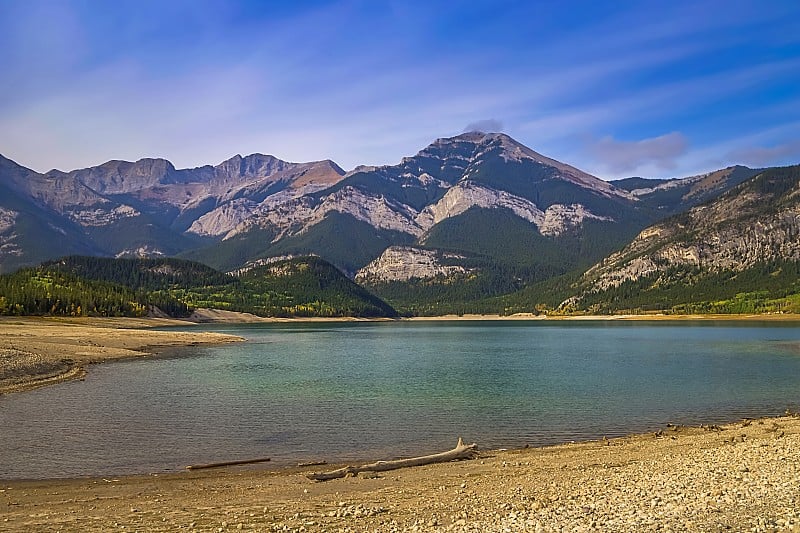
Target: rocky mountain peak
[(464, 144), (121, 177), (11, 173), (511, 150), (251, 166), (318, 173), (470, 150), (332, 165), (472, 136), (462, 194)]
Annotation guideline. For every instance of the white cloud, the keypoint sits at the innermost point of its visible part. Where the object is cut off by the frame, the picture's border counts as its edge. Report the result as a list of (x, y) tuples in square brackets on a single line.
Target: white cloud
[(729, 151)]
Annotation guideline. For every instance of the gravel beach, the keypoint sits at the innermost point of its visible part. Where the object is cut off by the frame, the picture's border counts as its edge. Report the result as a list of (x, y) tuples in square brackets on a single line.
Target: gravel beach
[(743, 476)]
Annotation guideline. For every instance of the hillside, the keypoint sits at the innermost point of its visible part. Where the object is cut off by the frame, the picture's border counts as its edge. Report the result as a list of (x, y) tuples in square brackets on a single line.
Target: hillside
[(677, 195), (737, 253), (29, 232), (489, 252), (90, 286), (303, 286), (46, 291)]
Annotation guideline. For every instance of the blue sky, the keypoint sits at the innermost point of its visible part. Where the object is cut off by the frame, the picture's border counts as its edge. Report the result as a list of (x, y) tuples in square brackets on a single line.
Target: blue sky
[(623, 88)]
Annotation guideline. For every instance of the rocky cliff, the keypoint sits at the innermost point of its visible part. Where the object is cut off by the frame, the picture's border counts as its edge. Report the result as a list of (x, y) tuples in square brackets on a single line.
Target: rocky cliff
[(756, 222), (404, 263)]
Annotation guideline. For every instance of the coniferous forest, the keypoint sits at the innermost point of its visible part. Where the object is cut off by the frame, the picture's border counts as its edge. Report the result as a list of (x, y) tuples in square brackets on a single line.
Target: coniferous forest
[(92, 286), (311, 287)]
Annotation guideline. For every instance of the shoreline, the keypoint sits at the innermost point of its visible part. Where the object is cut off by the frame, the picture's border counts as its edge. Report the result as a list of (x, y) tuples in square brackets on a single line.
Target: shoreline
[(741, 475), (40, 351), (612, 318), (215, 316)]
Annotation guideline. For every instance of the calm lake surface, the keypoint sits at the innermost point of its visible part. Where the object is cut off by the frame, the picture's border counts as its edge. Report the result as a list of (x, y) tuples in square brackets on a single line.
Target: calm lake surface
[(350, 391)]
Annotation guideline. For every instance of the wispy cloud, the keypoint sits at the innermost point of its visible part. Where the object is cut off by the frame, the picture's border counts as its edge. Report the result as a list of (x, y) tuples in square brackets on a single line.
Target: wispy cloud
[(761, 156), (625, 156), (574, 131), (727, 151), (487, 125), (363, 82)]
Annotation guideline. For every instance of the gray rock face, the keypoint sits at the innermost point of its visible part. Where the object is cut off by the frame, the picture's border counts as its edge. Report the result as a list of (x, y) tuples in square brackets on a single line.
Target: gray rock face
[(7, 219), (404, 263), (238, 203), (676, 195), (751, 224), (121, 177), (8, 244), (157, 180), (125, 208), (58, 192)]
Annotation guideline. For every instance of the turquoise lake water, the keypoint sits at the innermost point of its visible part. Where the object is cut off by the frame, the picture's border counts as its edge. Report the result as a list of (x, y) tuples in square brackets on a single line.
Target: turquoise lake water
[(379, 390)]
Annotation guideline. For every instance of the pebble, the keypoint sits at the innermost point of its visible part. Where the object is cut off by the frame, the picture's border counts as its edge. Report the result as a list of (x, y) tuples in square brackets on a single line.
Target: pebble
[(699, 488)]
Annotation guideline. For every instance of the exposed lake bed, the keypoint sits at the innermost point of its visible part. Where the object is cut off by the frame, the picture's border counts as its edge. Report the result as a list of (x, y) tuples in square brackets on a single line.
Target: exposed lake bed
[(743, 476), (36, 351)]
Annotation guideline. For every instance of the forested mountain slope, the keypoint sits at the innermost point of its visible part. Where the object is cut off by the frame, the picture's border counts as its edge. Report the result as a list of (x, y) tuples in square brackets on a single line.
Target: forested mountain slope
[(743, 245), (91, 286)]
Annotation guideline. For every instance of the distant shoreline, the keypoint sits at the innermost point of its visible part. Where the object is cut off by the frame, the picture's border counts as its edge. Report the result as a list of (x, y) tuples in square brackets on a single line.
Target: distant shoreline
[(213, 316), (40, 351)]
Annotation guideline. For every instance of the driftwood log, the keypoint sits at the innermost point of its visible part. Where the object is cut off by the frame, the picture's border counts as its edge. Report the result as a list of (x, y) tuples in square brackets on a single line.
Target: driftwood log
[(460, 452), (228, 463)]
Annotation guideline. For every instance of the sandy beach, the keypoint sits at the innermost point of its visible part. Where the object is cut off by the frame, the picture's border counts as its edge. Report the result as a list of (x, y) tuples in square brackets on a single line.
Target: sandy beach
[(743, 476), (40, 351)]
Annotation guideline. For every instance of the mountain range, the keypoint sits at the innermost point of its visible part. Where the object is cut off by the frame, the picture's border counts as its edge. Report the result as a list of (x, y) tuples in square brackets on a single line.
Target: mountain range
[(146, 208), (747, 239), (467, 218)]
